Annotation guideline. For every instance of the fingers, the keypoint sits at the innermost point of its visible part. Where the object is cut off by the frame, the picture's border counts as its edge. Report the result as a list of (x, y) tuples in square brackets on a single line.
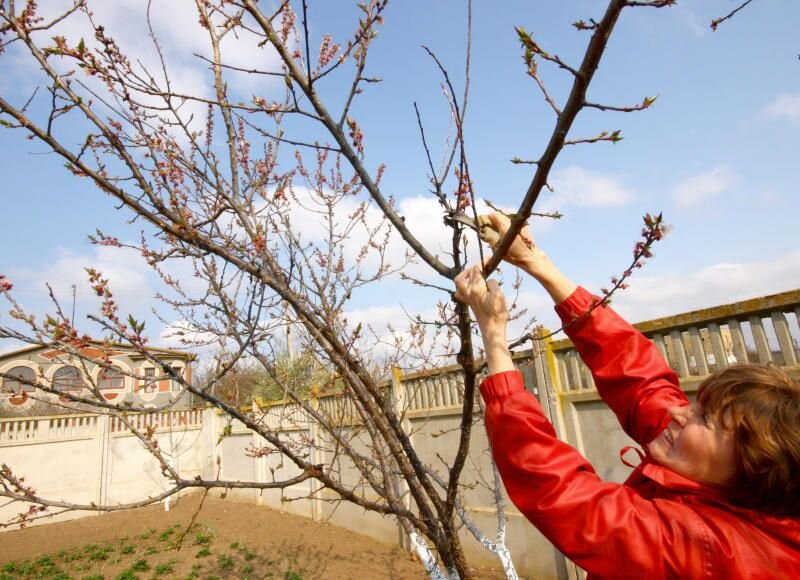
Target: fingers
[(461, 284), (484, 297), (501, 223), (472, 286), (467, 282)]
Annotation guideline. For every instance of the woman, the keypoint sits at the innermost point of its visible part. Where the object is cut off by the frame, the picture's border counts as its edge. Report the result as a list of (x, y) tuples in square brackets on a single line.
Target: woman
[(717, 493)]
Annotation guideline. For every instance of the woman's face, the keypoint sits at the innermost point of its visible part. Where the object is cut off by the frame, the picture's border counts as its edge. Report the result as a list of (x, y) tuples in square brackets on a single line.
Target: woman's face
[(695, 446)]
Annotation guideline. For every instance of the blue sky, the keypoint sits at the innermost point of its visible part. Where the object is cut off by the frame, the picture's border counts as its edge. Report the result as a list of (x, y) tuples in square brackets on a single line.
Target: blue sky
[(717, 153)]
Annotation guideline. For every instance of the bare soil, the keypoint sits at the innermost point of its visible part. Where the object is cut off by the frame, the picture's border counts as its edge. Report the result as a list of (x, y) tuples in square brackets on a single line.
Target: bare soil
[(228, 540)]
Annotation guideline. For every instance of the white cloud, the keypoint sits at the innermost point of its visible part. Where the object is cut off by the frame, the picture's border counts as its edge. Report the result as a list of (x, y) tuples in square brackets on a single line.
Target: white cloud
[(183, 335), (653, 297), (423, 217), (123, 267), (180, 38), (691, 20), (577, 186), (386, 336), (129, 281), (785, 106), (701, 187)]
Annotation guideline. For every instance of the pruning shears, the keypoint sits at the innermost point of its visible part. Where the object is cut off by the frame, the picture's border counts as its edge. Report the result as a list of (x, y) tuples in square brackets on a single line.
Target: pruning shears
[(483, 226)]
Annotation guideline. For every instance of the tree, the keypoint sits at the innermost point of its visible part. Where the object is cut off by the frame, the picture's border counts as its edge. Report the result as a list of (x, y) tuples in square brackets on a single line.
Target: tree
[(224, 198)]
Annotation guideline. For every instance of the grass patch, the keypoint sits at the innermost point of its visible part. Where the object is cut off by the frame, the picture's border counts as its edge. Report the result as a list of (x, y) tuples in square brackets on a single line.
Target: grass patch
[(140, 565), (203, 538), (164, 568), (152, 555)]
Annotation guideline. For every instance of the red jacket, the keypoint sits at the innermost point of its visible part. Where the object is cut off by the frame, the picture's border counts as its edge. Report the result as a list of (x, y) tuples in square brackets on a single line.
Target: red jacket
[(658, 524)]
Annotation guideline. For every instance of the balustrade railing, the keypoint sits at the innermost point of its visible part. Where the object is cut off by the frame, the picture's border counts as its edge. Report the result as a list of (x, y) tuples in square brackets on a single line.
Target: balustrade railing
[(695, 344), (85, 426)]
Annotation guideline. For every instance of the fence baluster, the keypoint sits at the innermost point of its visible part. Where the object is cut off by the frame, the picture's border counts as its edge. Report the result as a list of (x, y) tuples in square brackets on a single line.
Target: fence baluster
[(658, 340), (676, 338), (737, 341), (717, 346), (760, 338), (575, 381), (698, 351), (784, 338)]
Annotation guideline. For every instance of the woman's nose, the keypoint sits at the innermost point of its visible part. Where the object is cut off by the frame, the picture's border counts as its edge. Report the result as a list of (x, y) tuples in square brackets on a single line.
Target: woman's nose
[(680, 414)]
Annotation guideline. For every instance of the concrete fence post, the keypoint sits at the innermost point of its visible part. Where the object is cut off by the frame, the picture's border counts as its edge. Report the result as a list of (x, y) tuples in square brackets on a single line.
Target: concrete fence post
[(43, 428), (315, 456), (102, 437), (400, 406), (546, 369), (212, 419), (258, 462), (547, 372)]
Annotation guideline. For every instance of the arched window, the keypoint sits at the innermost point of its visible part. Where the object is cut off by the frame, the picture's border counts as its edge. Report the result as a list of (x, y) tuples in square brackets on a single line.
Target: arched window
[(17, 384), (68, 378), (149, 382), (111, 378), (176, 385)]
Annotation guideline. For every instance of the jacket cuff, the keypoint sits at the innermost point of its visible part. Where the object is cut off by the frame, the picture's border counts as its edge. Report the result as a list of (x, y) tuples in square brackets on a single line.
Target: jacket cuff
[(575, 305), (500, 385)]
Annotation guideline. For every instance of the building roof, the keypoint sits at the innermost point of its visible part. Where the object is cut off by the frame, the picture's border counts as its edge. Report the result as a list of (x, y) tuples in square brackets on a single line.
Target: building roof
[(122, 348)]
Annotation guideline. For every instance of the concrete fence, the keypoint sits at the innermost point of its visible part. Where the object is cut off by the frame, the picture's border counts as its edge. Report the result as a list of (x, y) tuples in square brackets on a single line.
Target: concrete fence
[(94, 458)]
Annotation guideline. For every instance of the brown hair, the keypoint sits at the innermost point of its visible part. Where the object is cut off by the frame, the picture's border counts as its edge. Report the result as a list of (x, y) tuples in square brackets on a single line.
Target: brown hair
[(760, 404)]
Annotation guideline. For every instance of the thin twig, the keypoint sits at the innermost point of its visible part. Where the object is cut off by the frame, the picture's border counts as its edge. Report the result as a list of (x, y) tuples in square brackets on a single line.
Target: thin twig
[(613, 137), (716, 22), (645, 104), (434, 179)]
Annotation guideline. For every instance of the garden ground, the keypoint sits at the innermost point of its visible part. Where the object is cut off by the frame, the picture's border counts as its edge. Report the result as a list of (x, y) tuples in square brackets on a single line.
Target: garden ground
[(228, 540)]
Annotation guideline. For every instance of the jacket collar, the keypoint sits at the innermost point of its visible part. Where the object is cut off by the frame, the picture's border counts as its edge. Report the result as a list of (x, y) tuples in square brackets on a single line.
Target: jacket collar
[(668, 479)]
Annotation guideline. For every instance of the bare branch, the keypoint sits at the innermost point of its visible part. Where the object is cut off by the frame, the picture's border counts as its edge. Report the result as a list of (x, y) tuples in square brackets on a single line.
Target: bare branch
[(717, 21), (613, 137), (651, 3), (645, 104)]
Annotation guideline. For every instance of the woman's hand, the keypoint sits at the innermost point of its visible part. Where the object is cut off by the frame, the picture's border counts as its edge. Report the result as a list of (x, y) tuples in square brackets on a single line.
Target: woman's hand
[(522, 252), (525, 254), (488, 303)]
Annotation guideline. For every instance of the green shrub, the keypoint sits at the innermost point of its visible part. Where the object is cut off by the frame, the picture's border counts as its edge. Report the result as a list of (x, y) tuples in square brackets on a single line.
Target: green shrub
[(203, 538), (164, 568), (225, 562)]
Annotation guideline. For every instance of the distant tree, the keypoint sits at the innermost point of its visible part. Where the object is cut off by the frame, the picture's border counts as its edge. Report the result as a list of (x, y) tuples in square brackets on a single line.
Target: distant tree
[(248, 382)]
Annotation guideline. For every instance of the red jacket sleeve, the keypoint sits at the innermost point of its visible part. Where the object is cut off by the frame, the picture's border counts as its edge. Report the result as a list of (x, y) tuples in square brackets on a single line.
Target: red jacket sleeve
[(598, 525), (631, 375)]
